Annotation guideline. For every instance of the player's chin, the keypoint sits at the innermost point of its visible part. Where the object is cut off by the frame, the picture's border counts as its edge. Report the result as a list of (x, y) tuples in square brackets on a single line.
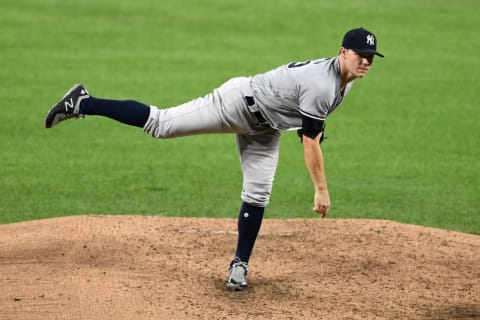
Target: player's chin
[(361, 73)]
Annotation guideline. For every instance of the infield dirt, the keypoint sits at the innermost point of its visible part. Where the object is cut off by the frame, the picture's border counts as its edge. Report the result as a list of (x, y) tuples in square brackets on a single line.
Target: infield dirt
[(133, 267)]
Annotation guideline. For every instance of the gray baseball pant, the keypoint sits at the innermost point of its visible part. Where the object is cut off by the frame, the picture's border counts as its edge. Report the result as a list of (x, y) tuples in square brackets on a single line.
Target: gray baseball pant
[(225, 110)]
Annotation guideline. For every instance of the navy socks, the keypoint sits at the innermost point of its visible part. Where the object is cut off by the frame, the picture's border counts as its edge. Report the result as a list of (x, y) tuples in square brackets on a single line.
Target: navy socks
[(249, 222), (129, 112)]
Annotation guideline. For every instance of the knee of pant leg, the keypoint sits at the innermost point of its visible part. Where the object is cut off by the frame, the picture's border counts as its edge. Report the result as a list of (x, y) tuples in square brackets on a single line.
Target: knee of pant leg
[(257, 194)]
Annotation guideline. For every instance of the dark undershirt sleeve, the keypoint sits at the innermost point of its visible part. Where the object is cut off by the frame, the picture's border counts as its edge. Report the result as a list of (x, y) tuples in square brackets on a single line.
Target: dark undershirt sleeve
[(311, 128)]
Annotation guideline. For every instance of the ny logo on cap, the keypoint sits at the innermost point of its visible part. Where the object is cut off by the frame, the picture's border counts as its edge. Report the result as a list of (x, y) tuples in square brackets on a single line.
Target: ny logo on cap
[(371, 40)]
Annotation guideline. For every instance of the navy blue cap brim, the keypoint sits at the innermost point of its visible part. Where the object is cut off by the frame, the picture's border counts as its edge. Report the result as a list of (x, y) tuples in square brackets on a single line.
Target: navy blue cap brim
[(368, 51)]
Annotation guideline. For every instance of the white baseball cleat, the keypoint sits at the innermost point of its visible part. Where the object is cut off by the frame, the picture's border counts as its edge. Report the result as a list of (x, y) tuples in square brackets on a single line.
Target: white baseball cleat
[(237, 275)]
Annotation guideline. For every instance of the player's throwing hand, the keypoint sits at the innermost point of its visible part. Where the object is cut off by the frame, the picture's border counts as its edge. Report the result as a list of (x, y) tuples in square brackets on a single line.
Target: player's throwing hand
[(322, 202)]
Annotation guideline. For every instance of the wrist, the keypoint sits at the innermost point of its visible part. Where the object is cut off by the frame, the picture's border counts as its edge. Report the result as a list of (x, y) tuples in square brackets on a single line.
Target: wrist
[(321, 187)]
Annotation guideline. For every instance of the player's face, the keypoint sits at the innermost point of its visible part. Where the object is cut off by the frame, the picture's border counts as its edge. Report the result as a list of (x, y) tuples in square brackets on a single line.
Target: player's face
[(359, 63)]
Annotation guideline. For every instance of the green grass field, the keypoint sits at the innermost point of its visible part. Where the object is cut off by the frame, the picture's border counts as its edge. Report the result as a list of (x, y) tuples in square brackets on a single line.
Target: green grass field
[(404, 145)]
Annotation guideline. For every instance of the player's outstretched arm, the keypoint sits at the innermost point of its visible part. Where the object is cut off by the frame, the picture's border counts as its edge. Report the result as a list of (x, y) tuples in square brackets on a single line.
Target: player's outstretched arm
[(314, 162)]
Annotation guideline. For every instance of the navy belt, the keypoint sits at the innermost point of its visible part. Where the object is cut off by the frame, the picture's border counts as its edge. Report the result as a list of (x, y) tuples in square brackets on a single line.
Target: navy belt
[(257, 114)]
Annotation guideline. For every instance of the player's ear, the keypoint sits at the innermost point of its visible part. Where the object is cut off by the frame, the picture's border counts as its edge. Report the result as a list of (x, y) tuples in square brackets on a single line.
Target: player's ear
[(343, 52)]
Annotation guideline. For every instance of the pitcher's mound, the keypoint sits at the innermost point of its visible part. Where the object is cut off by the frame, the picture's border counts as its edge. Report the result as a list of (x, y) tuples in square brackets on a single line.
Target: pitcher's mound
[(133, 267)]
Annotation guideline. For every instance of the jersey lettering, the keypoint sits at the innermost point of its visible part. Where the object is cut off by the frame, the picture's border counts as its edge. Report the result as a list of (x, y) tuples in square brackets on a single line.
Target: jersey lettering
[(299, 64)]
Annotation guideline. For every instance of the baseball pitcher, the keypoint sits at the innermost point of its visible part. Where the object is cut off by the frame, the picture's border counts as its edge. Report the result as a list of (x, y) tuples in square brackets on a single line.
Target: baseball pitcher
[(296, 96)]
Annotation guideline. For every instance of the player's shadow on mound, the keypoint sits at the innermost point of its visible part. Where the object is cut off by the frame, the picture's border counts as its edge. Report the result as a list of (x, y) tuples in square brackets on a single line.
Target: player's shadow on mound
[(455, 313), (266, 288)]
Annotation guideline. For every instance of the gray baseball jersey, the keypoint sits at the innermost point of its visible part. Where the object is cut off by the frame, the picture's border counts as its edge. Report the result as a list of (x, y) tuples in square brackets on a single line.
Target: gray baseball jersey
[(310, 88), (283, 95)]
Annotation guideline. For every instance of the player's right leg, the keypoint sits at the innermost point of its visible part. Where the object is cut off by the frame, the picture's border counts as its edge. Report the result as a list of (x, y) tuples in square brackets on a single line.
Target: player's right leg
[(222, 111)]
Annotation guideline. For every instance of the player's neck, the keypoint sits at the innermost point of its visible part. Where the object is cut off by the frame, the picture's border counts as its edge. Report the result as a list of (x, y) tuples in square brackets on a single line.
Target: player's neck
[(345, 75)]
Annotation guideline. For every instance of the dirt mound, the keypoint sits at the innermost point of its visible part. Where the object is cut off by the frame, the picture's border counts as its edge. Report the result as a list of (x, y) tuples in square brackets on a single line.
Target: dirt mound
[(131, 267)]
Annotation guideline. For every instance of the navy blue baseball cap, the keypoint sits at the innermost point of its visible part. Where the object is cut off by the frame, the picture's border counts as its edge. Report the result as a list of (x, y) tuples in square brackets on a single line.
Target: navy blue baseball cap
[(361, 40)]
